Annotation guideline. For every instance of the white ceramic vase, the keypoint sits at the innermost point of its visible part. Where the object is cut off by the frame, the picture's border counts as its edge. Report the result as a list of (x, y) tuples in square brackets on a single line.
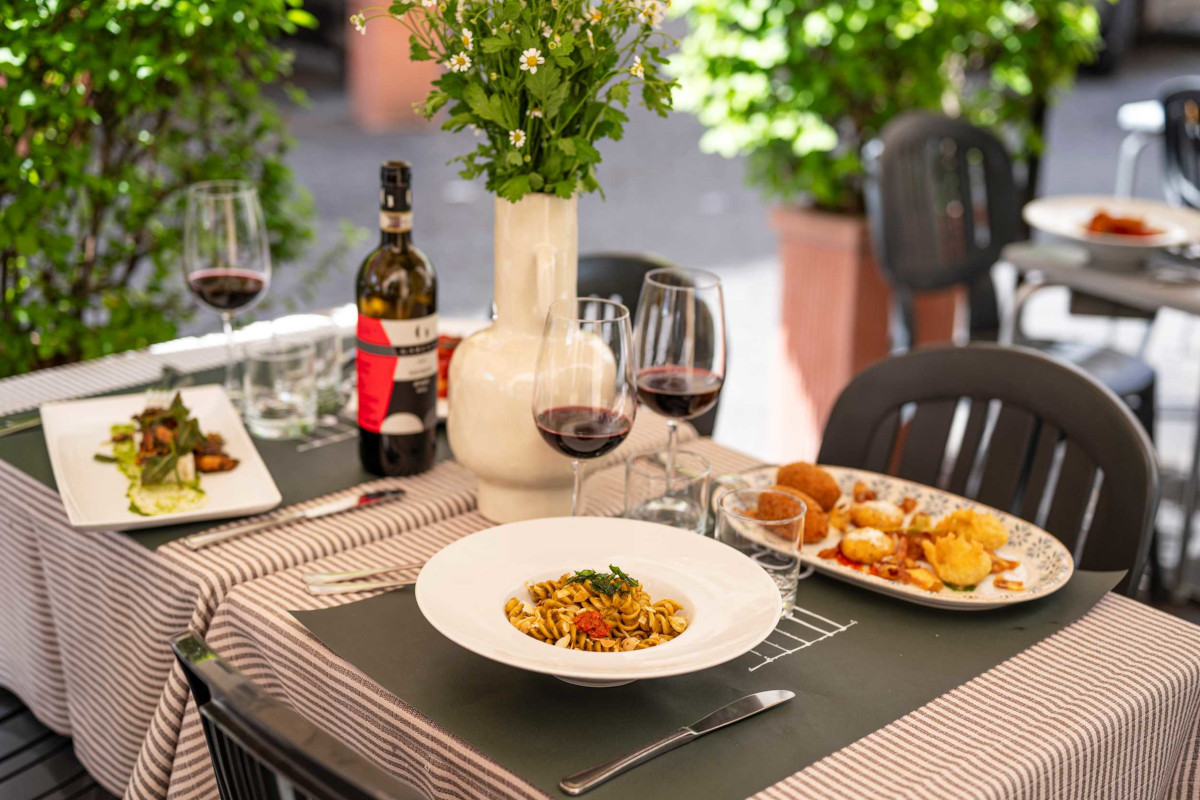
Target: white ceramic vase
[(492, 373)]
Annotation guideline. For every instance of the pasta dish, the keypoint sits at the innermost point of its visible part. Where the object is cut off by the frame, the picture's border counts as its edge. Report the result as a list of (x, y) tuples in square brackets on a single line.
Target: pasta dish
[(603, 612)]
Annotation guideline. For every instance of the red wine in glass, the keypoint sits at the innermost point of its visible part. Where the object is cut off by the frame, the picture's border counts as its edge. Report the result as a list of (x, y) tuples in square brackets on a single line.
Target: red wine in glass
[(226, 289), (582, 431), (678, 392)]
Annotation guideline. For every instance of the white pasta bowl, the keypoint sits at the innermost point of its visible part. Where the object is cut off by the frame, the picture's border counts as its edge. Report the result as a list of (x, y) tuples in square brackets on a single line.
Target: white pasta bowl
[(730, 603)]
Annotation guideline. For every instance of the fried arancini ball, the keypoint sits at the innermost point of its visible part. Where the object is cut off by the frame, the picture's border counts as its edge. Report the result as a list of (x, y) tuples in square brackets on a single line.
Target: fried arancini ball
[(877, 514), (958, 561), (780, 504), (816, 521), (868, 545), (984, 528), (812, 480)]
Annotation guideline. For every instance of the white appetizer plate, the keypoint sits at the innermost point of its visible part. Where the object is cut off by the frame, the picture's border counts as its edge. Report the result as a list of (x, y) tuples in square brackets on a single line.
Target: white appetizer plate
[(730, 603), (1045, 563), (1067, 218), (94, 493)]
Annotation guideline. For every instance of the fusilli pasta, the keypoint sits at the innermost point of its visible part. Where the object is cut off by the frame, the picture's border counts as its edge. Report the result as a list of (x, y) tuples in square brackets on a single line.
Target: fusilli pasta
[(572, 612)]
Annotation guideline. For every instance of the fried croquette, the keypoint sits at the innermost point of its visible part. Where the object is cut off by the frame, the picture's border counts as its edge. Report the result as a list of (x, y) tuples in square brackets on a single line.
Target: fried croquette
[(777, 505), (975, 526), (812, 480), (877, 514), (816, 521), (958, 561), (868, 545)]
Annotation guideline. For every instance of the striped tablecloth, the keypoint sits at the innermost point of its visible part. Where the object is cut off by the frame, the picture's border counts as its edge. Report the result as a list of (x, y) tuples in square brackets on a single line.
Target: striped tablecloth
[(1109, 707), (85, 617)]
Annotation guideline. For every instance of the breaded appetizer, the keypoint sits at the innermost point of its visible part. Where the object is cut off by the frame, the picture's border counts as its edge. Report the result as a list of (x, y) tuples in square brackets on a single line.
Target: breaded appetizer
[(869, 545), (812, 480), (958, 561), (816, 521), (975, 526), (877, 514)]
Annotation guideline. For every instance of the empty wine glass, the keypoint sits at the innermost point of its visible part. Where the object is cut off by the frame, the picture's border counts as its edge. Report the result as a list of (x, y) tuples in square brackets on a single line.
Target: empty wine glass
[(680, 345), (226, 255), (584, 396)]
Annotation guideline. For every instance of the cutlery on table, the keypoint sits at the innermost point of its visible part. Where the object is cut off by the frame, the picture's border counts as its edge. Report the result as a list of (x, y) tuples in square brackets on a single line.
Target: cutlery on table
[(200, 540), (170, 380), (736, 711), (358, 586), (323, 578)]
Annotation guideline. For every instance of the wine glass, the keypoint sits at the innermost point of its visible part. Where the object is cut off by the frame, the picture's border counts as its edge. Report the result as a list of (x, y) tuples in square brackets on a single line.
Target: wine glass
[(680, 345), (226, 255), (584, 395)]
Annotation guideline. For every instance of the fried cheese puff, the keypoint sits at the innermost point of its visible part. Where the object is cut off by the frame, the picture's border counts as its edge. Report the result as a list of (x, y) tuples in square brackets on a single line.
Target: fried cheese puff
[(812, 480), (869, 545), (958, 561), (984, 528), (816, 521), (877, 514)]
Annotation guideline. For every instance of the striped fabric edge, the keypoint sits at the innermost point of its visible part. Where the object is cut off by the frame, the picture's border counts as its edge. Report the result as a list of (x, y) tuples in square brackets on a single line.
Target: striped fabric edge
[(1105, 708), (30, 665), (255, 632)]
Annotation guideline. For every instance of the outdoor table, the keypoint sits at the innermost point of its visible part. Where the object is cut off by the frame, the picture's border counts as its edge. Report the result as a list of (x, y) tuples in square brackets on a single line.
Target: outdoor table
[(85, 618), (1106, 707), (1147, 290)]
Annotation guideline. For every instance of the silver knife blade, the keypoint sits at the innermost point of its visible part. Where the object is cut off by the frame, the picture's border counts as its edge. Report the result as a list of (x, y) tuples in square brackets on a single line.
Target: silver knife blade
[(739, 709), (353, 501)]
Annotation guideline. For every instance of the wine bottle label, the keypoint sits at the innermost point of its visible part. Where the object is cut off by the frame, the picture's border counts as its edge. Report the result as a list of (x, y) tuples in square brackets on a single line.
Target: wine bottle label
[(397, 374), (395, 221)]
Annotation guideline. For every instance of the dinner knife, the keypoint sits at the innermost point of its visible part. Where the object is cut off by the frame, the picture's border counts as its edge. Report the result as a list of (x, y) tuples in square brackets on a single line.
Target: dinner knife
[(736, 711), (200, 540)]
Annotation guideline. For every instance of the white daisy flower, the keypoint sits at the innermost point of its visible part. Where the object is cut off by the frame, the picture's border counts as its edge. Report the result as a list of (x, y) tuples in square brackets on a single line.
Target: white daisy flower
[(460, 62), (535, 112), (594, 14), (591, 39), (459, 13), (636, 69), (547, 31), (517, 138), (360, 23), (530, 60), (468, 39), (577, 24), (429, 3), (653, 13)]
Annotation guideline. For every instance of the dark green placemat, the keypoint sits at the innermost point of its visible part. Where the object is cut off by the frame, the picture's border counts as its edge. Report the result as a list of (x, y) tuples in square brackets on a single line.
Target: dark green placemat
[(299, 476), (880, 659)]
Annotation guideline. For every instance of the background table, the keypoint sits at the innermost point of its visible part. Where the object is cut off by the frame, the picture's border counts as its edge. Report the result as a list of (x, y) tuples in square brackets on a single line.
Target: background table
[(1108, 707), (85, 618)]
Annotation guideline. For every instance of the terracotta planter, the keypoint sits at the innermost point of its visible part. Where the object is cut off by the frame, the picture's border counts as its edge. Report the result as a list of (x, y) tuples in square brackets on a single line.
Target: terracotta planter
[(834, 321), (382, 82)]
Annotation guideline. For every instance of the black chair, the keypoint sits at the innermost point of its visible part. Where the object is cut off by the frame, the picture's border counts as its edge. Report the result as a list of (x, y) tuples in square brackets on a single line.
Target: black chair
[(1062, 452), (942, 205), (1181, 141), (263, 750), (619, 276)]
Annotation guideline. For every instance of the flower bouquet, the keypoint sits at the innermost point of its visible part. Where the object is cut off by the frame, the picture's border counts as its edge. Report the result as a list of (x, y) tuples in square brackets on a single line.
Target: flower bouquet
[(539, 81)]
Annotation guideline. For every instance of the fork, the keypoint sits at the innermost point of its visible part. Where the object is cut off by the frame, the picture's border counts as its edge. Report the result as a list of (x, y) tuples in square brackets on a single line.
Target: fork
[(326, 578)]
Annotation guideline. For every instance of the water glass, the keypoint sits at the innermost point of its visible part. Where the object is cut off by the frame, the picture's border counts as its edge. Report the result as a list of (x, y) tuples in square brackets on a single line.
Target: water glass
[(280, 387), (741, 525), (326, 336), (680, 501)]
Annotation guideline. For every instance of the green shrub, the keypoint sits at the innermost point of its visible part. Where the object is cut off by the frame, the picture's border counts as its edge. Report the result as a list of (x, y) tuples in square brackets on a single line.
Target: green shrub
[(798, 86), (108, 109)]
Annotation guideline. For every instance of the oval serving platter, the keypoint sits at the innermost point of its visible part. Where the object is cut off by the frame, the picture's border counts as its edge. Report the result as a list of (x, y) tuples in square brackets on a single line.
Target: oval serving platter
[(1045, 563)]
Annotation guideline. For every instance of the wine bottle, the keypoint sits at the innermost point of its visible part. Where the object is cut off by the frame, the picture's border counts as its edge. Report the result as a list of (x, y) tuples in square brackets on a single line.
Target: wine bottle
[(397, 340)]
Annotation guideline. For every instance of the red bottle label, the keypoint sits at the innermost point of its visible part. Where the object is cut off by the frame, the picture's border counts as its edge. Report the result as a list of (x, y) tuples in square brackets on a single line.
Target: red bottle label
[(397, 374)]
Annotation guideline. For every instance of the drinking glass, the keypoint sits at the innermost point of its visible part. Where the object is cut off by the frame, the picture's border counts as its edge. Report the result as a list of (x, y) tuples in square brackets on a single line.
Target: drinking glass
[(739, 526), (584, 395), (226, 255), (681, 502), (680, 345), (281, 389), (323, 331)]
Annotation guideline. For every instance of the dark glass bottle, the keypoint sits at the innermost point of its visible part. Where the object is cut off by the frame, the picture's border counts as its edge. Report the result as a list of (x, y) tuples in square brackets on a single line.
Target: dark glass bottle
[(397, 340)]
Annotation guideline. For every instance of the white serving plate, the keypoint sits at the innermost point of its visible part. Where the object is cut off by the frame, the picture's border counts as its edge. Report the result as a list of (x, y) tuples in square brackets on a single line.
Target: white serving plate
[(731, 604), (1045, 563), (94, 492), (1067, 216)]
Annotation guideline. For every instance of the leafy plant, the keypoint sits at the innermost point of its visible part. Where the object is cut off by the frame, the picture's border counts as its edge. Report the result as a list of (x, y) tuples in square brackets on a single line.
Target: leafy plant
[(541, 80), (109, 108), (798, 86)]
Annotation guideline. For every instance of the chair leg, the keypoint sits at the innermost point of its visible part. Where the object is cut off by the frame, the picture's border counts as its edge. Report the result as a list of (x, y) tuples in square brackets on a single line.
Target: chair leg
[(1145, 412)]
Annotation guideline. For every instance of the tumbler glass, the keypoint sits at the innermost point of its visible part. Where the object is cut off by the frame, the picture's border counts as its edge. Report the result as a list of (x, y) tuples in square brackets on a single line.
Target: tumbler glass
[(280, 389), (741, 525), (679, 499)]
